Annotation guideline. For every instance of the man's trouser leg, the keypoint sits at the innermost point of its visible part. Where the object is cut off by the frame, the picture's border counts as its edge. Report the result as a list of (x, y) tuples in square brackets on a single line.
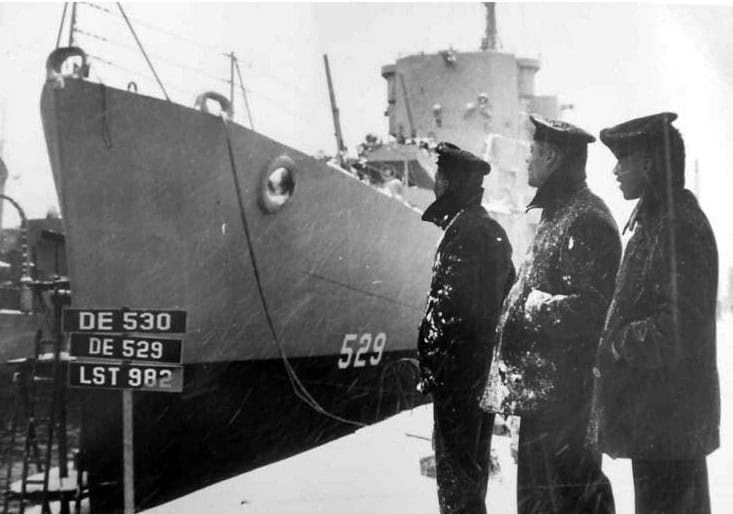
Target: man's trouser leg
[(462, 452), (671, 486), (557, 473)]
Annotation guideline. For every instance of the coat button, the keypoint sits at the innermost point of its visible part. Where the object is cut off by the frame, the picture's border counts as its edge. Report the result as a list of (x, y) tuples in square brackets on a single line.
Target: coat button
[(596, 372)]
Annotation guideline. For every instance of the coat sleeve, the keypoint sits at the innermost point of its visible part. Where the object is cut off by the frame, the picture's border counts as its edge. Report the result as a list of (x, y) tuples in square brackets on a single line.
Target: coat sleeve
[(682, 282), (587, 273)]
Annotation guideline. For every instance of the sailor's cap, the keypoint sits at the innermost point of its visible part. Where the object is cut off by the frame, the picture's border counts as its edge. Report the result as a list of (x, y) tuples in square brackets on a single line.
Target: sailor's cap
[(452, 158), (636, 134), (559, 132)]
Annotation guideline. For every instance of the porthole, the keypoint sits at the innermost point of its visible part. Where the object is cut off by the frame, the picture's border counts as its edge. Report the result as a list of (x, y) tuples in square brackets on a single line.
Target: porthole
[(277, 186)]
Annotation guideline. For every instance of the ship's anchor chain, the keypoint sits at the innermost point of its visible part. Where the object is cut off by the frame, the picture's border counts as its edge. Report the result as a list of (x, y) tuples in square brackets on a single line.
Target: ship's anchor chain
[(298, 388)]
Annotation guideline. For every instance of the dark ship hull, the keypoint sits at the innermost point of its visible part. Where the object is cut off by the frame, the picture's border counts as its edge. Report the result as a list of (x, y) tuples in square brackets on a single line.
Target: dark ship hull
[(153, 220)]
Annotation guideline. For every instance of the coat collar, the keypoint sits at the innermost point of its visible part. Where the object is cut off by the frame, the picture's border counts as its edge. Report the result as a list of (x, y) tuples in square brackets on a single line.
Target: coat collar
[(444, 209), (651, 207), (561, 184)]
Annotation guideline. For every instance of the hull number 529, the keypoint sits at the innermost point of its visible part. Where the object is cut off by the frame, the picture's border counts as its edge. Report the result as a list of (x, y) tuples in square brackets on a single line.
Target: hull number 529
[(360, 350)]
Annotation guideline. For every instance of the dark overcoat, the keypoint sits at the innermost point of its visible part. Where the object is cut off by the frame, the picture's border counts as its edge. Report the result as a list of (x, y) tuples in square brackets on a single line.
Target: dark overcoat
[(548, 352), (658, 397), (472, 273)]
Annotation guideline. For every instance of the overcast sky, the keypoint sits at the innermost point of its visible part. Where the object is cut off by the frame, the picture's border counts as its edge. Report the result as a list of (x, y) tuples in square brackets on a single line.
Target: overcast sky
[(611, 61)]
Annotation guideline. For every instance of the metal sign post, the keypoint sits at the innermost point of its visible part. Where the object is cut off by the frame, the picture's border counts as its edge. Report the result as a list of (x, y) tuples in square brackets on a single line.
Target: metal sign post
[(106, 356), (127, 452)]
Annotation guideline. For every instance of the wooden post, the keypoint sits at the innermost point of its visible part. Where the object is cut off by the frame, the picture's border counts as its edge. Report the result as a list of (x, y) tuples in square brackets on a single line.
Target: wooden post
[(127, 452)]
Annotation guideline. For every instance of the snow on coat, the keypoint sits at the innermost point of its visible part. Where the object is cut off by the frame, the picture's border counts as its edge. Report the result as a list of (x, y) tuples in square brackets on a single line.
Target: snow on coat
[(472, 273), (554, 313)]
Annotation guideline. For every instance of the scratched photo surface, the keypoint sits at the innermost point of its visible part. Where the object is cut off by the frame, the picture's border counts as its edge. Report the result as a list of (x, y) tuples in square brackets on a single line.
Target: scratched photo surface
[(226, 284)]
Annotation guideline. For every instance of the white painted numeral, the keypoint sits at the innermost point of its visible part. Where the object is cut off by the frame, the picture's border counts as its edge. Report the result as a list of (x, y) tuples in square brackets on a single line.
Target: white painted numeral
[(366, 344), (379, 343), (346, 351), (129, 321), (166, 379), (156, 349)]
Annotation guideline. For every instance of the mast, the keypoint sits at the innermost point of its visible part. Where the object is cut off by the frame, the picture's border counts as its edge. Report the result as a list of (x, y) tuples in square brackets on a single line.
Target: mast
[(334, 110), (489, 41), (232, 58), (72, 26)]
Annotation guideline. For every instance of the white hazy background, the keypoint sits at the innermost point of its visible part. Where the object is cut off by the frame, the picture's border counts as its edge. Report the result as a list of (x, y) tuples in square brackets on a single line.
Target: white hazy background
[(612, 62)]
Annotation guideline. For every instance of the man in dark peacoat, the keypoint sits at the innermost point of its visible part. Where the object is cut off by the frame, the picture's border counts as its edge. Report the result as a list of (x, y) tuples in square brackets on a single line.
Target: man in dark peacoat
[(472, 273), (550, 327), (657, 398)]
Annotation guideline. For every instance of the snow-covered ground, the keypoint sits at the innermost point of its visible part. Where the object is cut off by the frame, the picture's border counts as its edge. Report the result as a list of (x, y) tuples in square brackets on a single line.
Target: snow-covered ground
[(377, 469)]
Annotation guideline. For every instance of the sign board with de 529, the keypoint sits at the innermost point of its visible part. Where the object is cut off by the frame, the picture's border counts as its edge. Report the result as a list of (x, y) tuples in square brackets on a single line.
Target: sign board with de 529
[(162, 350)]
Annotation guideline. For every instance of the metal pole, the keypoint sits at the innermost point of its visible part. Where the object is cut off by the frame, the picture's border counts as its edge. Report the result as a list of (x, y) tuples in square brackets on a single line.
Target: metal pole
[(127, 452), (61, 25), (72, 27), (231, 80), (413, 132), (55, 397), (60, 385), (334, 110)]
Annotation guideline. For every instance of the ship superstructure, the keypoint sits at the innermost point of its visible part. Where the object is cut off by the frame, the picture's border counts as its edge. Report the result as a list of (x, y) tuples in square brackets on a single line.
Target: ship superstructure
[(479, 100)]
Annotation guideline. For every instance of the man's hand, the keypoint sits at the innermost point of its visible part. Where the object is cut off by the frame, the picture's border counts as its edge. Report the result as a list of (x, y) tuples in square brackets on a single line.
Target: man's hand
[(616, 355), (609, 340), (536, 304), (425, 386)]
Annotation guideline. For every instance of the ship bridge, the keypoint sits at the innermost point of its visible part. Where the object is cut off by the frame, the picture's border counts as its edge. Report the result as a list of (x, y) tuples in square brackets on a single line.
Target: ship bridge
[(480, 101)]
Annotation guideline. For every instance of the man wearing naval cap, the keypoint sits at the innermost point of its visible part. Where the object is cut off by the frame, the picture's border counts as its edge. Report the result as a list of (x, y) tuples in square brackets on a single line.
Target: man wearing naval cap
[(657, 397), (550, 326), (472, 273)]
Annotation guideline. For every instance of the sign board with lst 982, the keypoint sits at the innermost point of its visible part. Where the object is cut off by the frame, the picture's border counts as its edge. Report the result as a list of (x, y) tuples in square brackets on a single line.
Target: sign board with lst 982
[(101, 375)]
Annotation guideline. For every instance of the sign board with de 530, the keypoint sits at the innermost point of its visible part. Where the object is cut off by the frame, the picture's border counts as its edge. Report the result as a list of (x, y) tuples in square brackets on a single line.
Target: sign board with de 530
[(149, 321)]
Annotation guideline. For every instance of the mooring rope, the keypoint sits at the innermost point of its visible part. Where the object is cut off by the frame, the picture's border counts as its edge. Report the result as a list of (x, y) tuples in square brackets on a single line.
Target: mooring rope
[(298, 388)]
